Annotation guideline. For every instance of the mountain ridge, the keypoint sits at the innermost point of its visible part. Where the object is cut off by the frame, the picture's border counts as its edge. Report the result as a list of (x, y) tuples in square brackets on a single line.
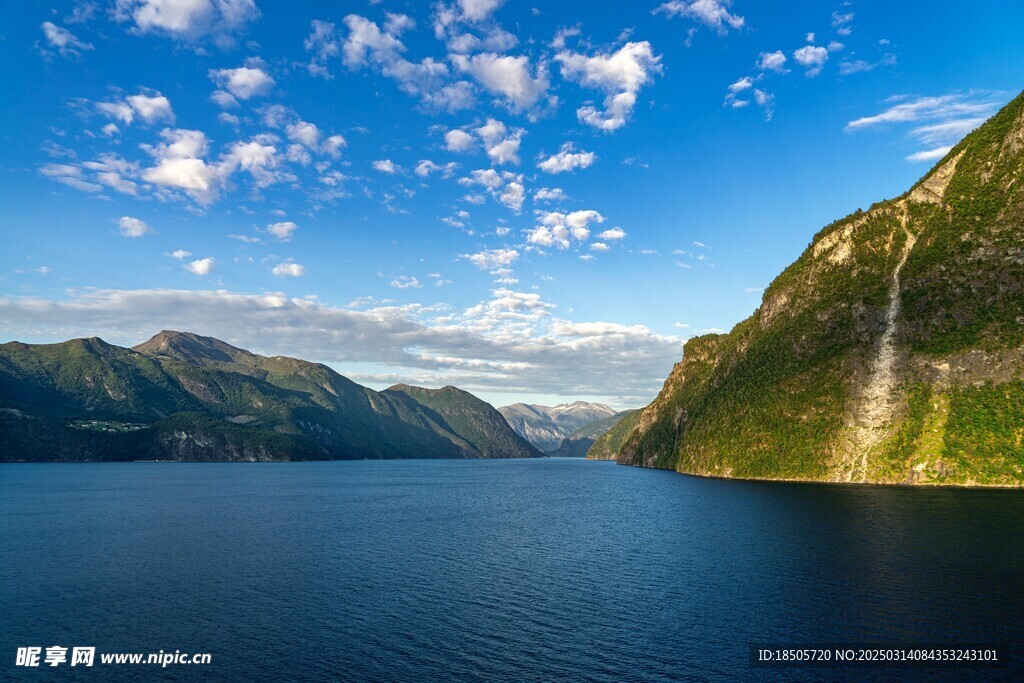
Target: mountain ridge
[(546, 426), (187, 397)]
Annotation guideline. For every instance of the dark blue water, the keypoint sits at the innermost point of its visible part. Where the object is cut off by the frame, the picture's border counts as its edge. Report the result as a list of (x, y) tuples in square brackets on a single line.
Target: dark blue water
[(497, 570)]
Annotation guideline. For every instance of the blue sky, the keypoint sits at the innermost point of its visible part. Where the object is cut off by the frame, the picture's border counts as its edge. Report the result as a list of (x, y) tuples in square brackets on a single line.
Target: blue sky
[(533, 201)]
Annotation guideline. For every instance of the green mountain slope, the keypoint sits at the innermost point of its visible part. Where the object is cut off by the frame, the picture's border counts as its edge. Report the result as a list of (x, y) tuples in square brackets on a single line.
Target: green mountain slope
[(482, 428), (890, 351), (579, 442), (185, 397)]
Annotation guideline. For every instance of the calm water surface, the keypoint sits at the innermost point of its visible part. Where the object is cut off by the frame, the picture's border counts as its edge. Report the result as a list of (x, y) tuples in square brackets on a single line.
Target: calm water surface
[(469, 570)]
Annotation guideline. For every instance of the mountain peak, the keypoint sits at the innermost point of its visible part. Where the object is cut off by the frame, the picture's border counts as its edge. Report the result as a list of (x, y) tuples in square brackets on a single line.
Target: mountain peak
[(190, 348)]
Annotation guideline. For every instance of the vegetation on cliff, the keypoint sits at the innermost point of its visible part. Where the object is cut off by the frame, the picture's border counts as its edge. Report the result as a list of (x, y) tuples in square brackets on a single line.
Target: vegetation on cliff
[(890, 351)]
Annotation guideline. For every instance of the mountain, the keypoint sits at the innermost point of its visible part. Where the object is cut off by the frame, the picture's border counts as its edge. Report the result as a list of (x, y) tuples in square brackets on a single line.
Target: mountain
[(579, 442), (891, 351), (545, 426), (181, 396), (481, 428)]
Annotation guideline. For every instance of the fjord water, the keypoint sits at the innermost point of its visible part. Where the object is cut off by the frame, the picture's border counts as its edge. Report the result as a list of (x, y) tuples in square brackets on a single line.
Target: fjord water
[(492, 569)]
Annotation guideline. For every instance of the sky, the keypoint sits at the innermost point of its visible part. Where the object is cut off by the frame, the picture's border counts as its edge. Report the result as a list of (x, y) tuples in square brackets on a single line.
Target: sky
[(533, 201)]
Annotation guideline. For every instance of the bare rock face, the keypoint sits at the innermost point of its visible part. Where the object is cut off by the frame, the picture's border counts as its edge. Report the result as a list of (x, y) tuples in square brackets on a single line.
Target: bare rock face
[(891, 351)]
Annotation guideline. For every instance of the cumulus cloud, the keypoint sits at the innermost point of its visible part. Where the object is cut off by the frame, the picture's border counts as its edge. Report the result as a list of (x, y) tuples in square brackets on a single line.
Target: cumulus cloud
[(560, 230), (61, 40), (386, 166), (505, 187), (245, 82), (201, 267), (812, 58), (180, 165), (508, 77), (550, 194), (772, 61), (502, 145), (150, 107), (619, 75), (613, 234), (712, 13), (370, 45), (426, 167), (188, 20), (567, 159), (282, 231), (405, 282), (288, 269), (459, 141), (133, 227), (490, 259)]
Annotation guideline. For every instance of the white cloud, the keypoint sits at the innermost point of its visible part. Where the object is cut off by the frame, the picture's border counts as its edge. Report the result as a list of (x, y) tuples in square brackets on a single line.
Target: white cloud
[(505, 187), (599, 246), (426, 167), (772, 61), (245, 82), (333, 145), (459, 141), (133, 227), (179, 165), (282, 231), (369, 44), (189, 20), (811, 57), (180, 254), (559, 230), (304, 133), (149, 107), (288, 269), (510, 342), (405, 282), (506, 76), (324, 44), (478, 10), (613, 234), (848, 67), (489, 259), (501, 144), (201, 267), (63, 41), (567, 159), (955, 111), (712, 13), (386, 166), (619, 75), (930, 154), (842, 22), (550, 194), (742, 84)]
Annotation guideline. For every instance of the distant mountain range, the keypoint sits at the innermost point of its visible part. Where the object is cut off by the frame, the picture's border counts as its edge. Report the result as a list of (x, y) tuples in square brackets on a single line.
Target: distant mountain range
[(891, 351), (577, 444), (181, 396), (546, 426)]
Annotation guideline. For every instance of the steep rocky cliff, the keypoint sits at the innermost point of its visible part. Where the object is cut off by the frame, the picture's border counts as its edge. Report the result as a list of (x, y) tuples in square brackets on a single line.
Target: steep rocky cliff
[(890, 351)]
